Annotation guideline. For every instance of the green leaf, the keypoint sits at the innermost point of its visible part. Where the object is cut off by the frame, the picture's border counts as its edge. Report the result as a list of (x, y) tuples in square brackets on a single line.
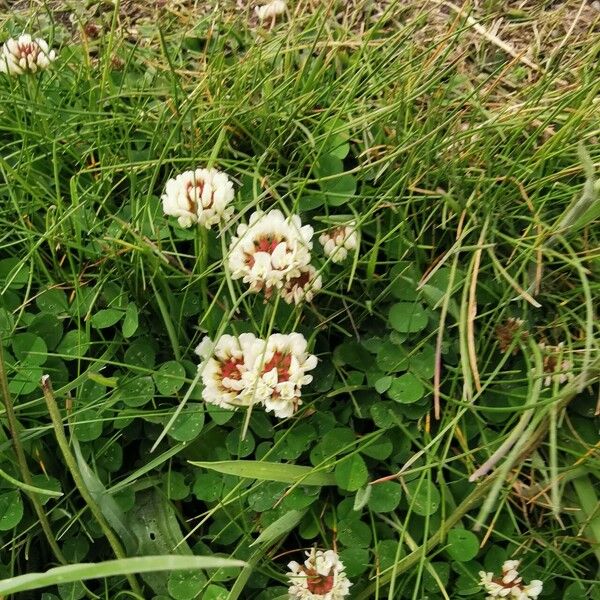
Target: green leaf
[(11, 511), (175, 486), (110, 509), (332, 443), (311, 200), (106, 317), (279, 528), (392, 358), (463, 545), (383, 384), (137, 392), (87, 425), (340, 151), (14, 273), (7, 324), (354, 533), (74, 345), (340, 189), (208, 486), (356, 561), (423, 497), (53, 301), (406, 389), (49, 328), (422, 362), (408, 317), (26, 380), (405, 279), (186, 585), (355, 355), (219, 415), (380, 449), (385, 496), (239, 447), (71, 591), (269, 471), (29, 348), (131, 320), (362, 497), (110, 456), (388, 553), (111, 568), (188, 424), (337, 185), (442, 574), (153, 524), (141, 353), (328, 165), (351, 473), (215, 592), (75, 549), (169, 378), (337, 143), (386, 414)]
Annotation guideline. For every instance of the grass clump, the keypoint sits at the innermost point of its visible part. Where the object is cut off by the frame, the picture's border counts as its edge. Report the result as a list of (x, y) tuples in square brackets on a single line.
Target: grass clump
[(450, 424)]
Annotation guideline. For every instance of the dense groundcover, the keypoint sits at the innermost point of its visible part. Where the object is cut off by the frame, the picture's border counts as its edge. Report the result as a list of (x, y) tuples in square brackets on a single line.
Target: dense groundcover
[(459, 337)]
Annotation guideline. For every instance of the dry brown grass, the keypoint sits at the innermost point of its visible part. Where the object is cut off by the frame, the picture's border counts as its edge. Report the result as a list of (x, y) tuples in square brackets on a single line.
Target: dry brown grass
[(537, 34)]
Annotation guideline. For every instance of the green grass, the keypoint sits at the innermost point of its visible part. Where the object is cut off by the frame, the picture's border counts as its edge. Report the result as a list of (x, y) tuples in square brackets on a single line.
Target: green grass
[(459, 170)]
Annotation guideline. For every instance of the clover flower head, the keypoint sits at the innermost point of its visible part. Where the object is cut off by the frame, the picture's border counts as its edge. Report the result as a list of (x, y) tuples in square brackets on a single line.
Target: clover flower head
[(510, 585), (321, 577), (303, 287), (270, 252), (224, 365), (25, 55), (271, 10), (508, 331), (556, 368), (284, 371), (338, 242), (201, 196), (246, 371)]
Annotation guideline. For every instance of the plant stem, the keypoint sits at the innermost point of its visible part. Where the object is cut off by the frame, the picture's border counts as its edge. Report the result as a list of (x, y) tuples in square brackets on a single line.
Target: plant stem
[(202, 255), (224, 251), (22, 461), (63, 443)]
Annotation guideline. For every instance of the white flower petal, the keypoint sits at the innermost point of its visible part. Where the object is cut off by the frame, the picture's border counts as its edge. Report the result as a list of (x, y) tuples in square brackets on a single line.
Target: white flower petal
[(201, 196), (268, 252), (339, 241), (25, 55)]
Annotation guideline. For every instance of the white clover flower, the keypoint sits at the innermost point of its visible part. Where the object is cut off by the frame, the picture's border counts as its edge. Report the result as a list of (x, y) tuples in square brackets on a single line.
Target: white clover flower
[(245, 371), (303, 287), (25, 55), (271, 10), (339, 241), (556, 369), (533, 589), (224, 366), (202, 196), (321, 577), (284, 368), (270, 251), (510, 584)]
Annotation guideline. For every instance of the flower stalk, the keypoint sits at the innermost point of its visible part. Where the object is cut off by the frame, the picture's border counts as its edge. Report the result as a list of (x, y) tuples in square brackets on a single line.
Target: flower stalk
[(13, 426)]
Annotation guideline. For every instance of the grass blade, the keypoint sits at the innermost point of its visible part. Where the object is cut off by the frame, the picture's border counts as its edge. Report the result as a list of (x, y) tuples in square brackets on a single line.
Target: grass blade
[(269, 471), (111, 568)]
